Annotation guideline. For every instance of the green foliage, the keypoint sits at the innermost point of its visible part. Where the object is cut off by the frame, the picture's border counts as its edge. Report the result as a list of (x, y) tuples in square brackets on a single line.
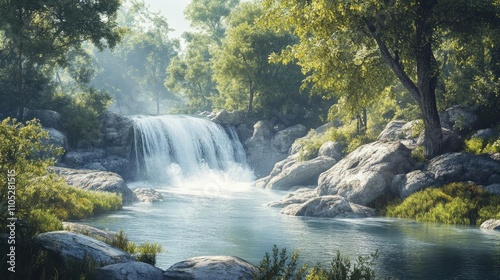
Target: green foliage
[(281, 266), (418, 154), (210, 15), (42, 198), (480, 146), (456, 203), (144, 252)]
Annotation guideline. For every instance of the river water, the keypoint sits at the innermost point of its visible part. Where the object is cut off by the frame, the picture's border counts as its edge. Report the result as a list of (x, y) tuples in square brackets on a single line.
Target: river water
[(210, 208)]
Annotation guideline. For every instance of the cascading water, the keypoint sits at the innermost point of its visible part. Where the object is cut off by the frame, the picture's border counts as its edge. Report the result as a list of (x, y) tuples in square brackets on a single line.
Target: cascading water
[(175, 147)]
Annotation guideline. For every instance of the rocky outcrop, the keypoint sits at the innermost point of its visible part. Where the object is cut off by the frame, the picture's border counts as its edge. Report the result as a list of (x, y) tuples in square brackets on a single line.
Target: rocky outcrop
[(127, 271), (212, 267), (117, 134), (265, 148), (329, 206), (332, 149), (97, 181), (93, 232), (393, 131), (491, 224), (448, 168), (366, 173), (148, 195), (47, 118), (228, 117), (459, 119), (300, 196), (72, 247), (97, 159), (290, 172), (56, 138)]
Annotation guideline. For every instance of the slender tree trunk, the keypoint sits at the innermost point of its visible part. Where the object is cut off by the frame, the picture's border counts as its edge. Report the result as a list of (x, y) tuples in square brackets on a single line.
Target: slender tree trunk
[(20, 82), (250, 100)]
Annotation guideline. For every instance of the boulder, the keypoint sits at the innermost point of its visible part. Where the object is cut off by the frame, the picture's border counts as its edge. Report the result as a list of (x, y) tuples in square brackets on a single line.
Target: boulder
[(232, 118), (211, 267), (485, 134), (72, 247), (297, 173), (284, 139), (244, 132), (449, 168), (117, 134), (491, 224), (148, 195), (89, 231), (393, 131), (459, 119), (331, 149), (366, 173), (493, 188), (329, 206), (97, 181), (79, 158), (127, 271), (56, 138), (300, 196), (47, 118), (261, 154)]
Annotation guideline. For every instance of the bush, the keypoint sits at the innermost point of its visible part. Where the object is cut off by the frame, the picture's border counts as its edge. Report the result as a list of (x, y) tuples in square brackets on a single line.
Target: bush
[(456, 203), (42, 199), (144, 252), (480, 146), (284, 267)]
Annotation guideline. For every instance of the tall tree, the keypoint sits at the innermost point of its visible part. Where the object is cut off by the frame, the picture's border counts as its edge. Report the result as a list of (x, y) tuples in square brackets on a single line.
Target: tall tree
[(209, 15), (39, 33), (405, 33)]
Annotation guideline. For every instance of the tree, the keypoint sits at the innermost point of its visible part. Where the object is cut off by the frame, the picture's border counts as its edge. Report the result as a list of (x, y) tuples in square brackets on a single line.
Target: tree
[(209, 15), (244, 74), (39, 33), (405, 34)]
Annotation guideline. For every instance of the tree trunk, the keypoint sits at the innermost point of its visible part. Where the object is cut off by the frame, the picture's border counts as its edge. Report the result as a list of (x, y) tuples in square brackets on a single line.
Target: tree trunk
[(250, 100)]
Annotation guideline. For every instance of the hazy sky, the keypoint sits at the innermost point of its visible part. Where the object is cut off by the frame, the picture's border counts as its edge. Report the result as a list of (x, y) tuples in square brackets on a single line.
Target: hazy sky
[(173, 10)]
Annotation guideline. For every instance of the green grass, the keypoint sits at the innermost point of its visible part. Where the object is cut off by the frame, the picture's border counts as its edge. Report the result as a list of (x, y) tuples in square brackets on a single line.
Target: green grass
[(456, 203)]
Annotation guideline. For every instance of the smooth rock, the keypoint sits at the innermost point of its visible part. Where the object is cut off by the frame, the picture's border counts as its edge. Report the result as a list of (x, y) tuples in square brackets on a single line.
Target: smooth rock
[(493, 188), (329, 206), (78, 158), (298, 197), (491, 224), (459, 119), (300, 173), (127, 271), (148, 195), (56, 138), (70, 246), (331, 149), (210, 268), (404, 185), (93, 232), (232, 118), (393, 131), (284, 139), (47, 118), (366, 173), (97, 181), (261, 154), (485, 134)]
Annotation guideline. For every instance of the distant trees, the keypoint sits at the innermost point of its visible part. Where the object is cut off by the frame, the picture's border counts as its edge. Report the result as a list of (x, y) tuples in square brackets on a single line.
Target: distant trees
[(36, 36)]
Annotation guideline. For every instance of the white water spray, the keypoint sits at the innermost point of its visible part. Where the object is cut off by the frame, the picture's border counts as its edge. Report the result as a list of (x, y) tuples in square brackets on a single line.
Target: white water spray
[(175, 149)]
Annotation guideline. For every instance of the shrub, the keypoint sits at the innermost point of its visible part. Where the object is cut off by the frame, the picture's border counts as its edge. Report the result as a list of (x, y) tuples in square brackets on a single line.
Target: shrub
[(456, 203), (479, 146), (144, 252), (284, 267), (42, 199)]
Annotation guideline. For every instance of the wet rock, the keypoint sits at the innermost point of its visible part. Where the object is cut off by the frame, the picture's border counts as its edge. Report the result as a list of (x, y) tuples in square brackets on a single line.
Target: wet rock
[(117, 134), (148, 195), (491, 224), (127, 271), (211, 267), (329, 206), (298, 197)]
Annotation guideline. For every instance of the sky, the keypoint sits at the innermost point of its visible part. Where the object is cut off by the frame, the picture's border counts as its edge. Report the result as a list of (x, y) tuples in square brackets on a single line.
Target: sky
[(173, 10)]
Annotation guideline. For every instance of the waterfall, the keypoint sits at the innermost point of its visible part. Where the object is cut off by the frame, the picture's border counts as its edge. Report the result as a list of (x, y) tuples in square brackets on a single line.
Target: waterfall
[(174, 147)]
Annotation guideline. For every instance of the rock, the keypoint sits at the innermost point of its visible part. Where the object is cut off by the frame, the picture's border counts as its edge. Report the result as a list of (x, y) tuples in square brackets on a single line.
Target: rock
[(393, 131), (298, 173), (406, 184), (452, 141), (284, 139), (89, 231), (331, 149), (366, 173), (56, 139), (148, 195), (232, 118), (261, 154), (485, 134), (72, 247), (491, 224), (117, 134), (79, 158), (97, 181), (211, 267), (298, 197), (48, 118), (127, 271), (493, 188), (244, 132), (449, 168), (459, 119), (330, 206)]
